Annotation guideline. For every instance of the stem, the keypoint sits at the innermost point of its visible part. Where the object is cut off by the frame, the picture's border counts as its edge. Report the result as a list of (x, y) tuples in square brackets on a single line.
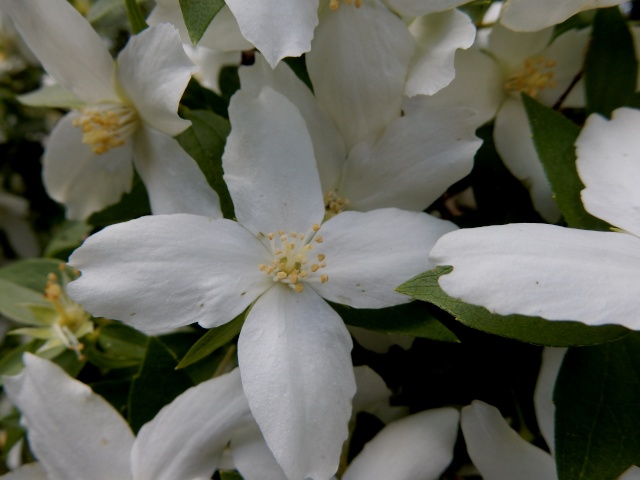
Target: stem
[(136, 19)]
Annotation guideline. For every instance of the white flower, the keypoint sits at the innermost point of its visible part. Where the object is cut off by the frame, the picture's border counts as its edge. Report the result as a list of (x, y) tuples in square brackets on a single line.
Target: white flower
[(561, 273), (123, 110), (76, 434), (167, 271)]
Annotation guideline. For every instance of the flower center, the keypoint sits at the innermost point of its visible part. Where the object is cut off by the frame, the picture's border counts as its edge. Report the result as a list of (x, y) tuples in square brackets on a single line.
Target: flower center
[(334, 4), (536, 74), (334, 204), (106, 126), (291, 262)]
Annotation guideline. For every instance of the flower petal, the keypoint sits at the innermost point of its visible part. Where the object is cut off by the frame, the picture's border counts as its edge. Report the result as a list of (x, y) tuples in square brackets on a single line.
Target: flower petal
[(277, 29), (543, 398), (166, 271), (186, 438), (413, 163), (419, 446), (523, 15), (269, 165), (328, 145), (73, 432), (54, 96), (543, 270), (511, 48), (297, 375), (173, 179), (369, 254), (438, 36), (28, 471), (415, 8), (252, 456), (358, 66), (78, 178), (607, 163), (497, 451), (66, 45), (512, 137), (154, 70)]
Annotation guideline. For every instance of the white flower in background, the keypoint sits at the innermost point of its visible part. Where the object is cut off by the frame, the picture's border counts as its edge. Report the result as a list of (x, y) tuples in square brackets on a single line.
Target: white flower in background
[(499, 453), (122, 110), (14, 54), (562, 273), (491, 81), (14, 211), (532, 15), (408, 165), (280, 259), (221, 44), (76, 434)]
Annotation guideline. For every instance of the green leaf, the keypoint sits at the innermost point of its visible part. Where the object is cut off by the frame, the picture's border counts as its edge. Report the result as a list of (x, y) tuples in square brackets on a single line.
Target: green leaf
[(205, 141), (136, 18), (101, 8), (533, 330), (67, 239), (11, 362), (597, 396), (230, 475), (410, 319), (610, 68), (14, 300), (197, 97), (116, 346), (31, 273), (213, 340), (554, 137), (198, 14), (132, 205), (13, 430), (156, 384)]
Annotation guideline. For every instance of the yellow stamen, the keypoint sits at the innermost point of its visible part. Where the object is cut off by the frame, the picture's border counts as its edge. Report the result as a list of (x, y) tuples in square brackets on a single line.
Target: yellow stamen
[(106, 126), (536, 75)]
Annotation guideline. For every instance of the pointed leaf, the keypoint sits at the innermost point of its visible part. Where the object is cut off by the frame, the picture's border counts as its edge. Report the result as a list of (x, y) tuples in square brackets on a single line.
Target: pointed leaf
[(534, 330), (198, 14), (67, 239)]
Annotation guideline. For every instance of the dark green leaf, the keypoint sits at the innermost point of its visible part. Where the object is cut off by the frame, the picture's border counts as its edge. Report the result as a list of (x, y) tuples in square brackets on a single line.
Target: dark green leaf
[(136, 17), (533, 330), (410, 319), (132, 205), (11, 362), (229, 81), (68, 360), (611, 67), (31, 273), (66, 239), (13, 432), (197, 97), (597, 396), (198, 14), (299, 67), (116, 346), (230, 475), (205, 141), (212, 340), (181, 342), (554, 137), (157, 384)]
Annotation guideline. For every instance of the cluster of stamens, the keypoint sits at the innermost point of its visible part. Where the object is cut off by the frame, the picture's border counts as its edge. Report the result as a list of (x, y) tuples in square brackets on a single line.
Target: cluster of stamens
[(536, 75), (334, 4), (334, 204), (291, 264), (106, 126)]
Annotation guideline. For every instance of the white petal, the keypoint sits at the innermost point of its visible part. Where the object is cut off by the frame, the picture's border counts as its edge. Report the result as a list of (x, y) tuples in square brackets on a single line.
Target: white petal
[(327, 143), (277, 29), (164, 271), (497, 451), (224, 33), (607, 163), (66, 45), (20, 235), (297, 375), (154, 70), (28, 471), (543, 398), (371, 390), (632, 473), (252, 456), (269, 165), (55, 96), (511, 48), (543, 270), (524, 15), (73, 432), (477, 86), (418, 447), (417, 158), (78, 178), (415, 8), (186, 438), (358, 66), (210, 62), (369, 254), (173, 179), (512, 136), (438, 37)]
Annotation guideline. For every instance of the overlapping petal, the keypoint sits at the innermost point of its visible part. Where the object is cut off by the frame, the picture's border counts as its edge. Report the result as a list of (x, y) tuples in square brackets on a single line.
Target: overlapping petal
[(28, 471), (252, 456), (369, 254), (73, 432), (170, 270), (415, 8), (294, 355)]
